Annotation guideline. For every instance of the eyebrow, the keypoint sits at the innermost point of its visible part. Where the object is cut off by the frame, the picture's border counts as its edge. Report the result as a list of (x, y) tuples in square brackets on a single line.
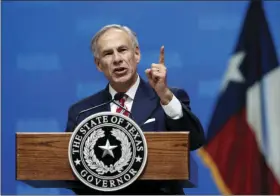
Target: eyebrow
[(108, 50)]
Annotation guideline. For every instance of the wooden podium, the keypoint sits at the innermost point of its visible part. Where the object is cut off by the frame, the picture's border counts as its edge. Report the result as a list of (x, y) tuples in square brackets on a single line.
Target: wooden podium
[(42, 158)]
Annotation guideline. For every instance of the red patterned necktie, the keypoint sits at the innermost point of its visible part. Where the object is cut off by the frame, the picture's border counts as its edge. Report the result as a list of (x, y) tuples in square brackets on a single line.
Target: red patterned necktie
[(121, 110)]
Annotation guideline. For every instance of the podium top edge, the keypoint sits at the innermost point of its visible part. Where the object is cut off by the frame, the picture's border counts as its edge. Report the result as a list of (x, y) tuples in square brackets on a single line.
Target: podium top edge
[(69, 133), (44, 133)]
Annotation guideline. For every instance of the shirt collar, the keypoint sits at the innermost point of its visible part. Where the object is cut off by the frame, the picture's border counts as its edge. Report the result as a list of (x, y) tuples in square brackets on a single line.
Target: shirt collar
[(130, 93)]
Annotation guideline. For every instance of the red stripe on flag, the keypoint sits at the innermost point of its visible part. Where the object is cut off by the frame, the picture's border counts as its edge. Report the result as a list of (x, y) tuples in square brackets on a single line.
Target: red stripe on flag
[(236, 163)]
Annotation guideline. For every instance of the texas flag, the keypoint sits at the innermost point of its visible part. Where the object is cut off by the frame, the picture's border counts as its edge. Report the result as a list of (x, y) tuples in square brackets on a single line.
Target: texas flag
[(243, 138)]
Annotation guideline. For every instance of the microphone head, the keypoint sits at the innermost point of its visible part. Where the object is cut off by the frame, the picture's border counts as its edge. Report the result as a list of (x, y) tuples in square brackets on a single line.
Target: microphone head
[(118, 96)]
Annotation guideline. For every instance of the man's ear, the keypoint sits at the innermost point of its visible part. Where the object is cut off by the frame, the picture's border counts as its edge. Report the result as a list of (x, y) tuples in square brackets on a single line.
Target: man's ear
[(97, 63), (137, 54)]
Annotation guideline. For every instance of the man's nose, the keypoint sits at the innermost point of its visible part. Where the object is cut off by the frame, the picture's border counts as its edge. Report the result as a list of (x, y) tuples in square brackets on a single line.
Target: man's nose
[(117, 58)]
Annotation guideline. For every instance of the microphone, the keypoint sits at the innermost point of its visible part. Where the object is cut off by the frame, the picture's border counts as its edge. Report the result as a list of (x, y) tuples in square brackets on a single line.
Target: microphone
[(117, 97)]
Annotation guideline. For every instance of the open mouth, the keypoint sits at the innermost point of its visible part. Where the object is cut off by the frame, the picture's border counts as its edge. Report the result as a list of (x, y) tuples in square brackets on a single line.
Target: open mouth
[(120, 70)]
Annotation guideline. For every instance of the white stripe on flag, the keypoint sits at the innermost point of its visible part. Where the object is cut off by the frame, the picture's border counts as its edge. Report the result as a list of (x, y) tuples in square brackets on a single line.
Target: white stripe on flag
[(254, 114), (271, 90), (272, 114)]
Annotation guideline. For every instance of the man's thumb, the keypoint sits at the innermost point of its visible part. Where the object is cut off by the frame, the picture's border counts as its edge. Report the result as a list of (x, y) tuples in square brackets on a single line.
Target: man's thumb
[(148, 73)]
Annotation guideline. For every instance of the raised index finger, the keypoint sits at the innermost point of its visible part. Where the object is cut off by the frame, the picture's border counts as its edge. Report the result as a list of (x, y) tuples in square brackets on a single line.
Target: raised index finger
[(161, 55)]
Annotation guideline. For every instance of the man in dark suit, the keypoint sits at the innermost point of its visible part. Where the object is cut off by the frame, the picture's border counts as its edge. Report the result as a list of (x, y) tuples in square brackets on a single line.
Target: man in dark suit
[(153, 105)]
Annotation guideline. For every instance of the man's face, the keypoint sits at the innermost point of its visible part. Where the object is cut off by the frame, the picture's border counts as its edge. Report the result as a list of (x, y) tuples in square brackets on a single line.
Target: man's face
[(118, 58)]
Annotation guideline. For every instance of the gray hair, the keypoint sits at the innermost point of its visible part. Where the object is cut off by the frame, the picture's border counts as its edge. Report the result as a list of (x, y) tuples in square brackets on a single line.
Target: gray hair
[(106, 28)]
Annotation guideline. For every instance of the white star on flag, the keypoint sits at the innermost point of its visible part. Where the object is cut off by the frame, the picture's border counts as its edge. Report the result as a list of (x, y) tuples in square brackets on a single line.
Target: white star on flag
[(233, 73)]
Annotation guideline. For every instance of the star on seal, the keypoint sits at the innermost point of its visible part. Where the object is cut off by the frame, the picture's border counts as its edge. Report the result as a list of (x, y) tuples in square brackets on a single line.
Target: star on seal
[(107, 149)]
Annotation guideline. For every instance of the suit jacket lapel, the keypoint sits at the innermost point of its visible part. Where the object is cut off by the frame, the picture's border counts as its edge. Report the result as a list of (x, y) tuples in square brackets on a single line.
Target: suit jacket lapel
[(145, 102)]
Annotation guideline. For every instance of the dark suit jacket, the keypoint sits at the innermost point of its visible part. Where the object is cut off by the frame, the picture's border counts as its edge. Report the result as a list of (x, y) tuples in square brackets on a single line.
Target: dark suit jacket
[(145, 105)]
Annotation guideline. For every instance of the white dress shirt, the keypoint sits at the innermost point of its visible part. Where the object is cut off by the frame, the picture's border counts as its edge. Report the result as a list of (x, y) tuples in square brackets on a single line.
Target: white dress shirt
[(173, 109)]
